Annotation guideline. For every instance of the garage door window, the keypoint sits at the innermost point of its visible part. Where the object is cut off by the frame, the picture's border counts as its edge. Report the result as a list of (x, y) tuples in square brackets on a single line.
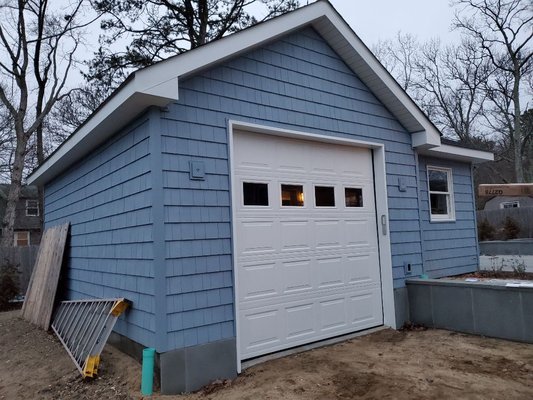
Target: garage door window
[(292, 195), (255, 194), (353, 197), (324, 196)]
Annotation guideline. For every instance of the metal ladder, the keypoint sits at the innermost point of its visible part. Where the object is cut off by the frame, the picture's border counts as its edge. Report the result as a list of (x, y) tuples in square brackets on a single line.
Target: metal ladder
[(83, 327)]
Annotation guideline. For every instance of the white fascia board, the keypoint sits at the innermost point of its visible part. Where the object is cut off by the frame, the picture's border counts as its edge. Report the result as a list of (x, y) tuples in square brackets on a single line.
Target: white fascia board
[(120, 109), (424, 140), (458, 153)]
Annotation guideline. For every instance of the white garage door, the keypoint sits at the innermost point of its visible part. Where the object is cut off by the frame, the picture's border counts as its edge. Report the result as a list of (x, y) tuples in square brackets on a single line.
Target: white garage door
[(306, 251)]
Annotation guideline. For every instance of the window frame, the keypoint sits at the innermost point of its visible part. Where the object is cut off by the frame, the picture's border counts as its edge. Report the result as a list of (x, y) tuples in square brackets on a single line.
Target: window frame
[(305, 195), (450, 216), (36, 207), (315, 185), (256, 182), (15, 238), (360, 187)]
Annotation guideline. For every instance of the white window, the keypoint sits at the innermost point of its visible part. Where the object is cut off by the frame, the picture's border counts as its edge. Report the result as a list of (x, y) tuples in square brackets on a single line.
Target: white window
[(510, 204), (441, 194), (22, 238), (32, 208)]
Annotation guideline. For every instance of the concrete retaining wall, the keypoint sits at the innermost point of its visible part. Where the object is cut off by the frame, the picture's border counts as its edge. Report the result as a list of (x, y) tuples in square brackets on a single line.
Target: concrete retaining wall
[(506, 263), (522, 247), (472, 307)]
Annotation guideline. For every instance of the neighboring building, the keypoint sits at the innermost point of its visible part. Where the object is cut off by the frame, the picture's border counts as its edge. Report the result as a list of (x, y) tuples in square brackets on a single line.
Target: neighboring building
[(267, 190), (501, 202), (27, 226)]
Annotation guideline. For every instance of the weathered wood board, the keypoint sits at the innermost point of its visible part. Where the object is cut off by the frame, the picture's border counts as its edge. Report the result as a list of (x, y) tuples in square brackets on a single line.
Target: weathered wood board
[(40, 297), (509, 189)]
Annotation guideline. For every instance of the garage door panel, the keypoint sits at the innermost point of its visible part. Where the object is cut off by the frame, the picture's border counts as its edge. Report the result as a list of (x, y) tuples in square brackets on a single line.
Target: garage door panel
[(362, 269), (300, 321), (309, 272), (297, 276), (326, 234), (258, 280), (261, 328), (332, 314), (292, 323), (364, 307), (294, 235), (330, 272), (257, 237), (358, 232)]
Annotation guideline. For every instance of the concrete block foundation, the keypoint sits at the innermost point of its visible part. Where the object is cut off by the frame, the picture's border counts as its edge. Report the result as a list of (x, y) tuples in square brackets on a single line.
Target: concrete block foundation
[(480, 308)]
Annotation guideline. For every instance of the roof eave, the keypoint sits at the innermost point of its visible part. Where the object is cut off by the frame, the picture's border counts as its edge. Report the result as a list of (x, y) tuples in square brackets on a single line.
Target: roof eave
[(121, 109), (458, 154)]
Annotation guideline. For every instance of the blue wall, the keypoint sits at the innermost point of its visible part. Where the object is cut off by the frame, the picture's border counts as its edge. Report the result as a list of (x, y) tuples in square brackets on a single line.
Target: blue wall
[(142, 229), (450, 248), (107, 199), (297, 83)]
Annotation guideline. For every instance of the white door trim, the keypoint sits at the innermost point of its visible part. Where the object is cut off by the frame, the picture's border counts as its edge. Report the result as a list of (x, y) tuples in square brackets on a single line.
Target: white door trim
[(380, 184)]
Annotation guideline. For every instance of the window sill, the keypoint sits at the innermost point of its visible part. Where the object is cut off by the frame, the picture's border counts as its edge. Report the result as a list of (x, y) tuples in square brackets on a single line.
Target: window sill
[(433, 220)]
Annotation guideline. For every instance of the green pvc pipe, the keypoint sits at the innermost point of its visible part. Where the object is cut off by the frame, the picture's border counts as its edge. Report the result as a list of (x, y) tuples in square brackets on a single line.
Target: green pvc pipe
[(147, 380)]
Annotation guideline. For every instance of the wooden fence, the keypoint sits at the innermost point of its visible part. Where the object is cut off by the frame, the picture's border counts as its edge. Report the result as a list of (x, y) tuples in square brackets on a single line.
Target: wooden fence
[(523, 216), (23, 258)]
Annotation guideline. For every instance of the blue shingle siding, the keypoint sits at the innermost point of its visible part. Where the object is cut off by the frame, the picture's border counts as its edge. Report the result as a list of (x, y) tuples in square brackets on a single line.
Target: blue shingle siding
[(449, 247), (143, 229), (107, 199), (297, 83)]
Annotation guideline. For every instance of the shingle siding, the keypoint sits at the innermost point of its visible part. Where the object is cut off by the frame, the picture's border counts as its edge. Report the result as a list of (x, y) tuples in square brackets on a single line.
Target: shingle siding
[(297, 83), (450, 248), (107, 199)]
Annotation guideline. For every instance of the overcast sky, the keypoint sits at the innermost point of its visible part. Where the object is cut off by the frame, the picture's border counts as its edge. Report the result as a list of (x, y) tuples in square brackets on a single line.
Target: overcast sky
[(374, 20)]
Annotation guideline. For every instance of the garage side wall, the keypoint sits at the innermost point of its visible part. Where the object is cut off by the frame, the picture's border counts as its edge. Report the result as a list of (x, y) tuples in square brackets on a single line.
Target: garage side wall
[(450, 248), (108, 201), (296, 83)]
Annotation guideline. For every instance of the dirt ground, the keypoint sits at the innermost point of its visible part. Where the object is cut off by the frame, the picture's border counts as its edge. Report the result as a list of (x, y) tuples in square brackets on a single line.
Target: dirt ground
[(413, 364), (487, 274)]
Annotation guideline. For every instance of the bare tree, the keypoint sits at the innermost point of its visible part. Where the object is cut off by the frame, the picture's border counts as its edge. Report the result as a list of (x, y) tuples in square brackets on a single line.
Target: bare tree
[(504, 30), (447, 82), (399, 57), (37, 46), (453, 79)]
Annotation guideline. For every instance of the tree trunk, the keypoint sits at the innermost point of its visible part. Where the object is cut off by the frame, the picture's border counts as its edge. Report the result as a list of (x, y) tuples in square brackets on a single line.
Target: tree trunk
[(517, 132), (14, 193), (40, 161)]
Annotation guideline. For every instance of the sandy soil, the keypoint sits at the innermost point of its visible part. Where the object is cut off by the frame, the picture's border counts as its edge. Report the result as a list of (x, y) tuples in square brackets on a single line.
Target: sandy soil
[(416, 364)]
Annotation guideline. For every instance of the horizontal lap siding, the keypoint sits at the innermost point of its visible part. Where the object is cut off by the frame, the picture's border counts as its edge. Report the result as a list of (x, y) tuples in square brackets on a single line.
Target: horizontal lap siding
[(107, 200), (450, 248), (297, 83)]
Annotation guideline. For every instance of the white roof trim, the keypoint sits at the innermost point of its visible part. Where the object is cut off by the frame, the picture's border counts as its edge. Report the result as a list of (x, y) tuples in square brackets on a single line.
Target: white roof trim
[(126, 103), (458, 153), (158, 84)]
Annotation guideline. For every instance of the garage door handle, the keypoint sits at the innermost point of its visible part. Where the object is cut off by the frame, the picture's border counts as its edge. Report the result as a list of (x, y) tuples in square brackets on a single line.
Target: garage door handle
[(384, 224)]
